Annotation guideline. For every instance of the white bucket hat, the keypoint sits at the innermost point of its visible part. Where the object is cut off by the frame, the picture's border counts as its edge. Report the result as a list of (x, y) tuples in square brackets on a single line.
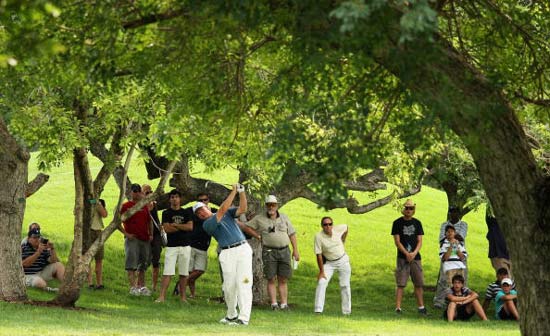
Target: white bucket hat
[(271, 199)]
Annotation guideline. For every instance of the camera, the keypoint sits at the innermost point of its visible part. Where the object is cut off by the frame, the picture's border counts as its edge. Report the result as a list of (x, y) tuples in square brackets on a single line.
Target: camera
[(44, 240)]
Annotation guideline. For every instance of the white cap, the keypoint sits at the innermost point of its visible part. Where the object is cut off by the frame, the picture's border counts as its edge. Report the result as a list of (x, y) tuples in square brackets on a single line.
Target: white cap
[(271, 199), (506, 281), (197, 206)]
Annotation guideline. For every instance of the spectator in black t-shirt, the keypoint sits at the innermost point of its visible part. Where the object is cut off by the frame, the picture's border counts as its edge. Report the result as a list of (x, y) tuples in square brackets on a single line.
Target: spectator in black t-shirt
[(200, 242), (178, 225), (407, 234)]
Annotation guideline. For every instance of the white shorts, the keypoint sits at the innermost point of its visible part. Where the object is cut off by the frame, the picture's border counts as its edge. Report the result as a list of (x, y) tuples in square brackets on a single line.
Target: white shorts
[(199, 260), (177, 255), (46, 274)]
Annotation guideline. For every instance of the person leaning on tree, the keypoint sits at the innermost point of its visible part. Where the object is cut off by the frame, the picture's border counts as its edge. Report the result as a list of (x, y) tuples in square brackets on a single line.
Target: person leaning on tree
[(276, 232), (407, 234)]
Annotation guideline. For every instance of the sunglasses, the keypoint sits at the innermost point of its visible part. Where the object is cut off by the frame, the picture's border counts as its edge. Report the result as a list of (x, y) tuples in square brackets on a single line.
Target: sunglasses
[(203, 199), (327, 224), (409, 208), (148, 192)]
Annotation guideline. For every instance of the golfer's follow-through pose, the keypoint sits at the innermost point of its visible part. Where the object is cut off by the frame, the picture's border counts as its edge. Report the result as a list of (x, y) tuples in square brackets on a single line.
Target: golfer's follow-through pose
[(235, 257)]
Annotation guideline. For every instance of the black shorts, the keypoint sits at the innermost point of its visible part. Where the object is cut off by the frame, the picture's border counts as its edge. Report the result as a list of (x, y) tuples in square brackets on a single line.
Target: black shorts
[(503, 315), (156, 249), (461, 313)]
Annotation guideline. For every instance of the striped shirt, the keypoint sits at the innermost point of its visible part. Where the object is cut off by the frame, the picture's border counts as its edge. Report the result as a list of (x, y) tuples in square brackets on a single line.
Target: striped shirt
[(42, 261), (493, 289), (454, 261)]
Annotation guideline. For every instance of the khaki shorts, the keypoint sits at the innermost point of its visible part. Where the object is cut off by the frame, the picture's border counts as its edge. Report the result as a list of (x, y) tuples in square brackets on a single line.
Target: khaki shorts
[(94, 234), (412, 269), (177, 255), (46, 274), (276, 262), (198, 260), (502, 263)]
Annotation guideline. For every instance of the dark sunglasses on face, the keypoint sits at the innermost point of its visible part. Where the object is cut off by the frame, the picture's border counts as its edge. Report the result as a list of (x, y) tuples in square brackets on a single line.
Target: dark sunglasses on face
[(203, 200), (409, 208), (148, 192), (327, 224)]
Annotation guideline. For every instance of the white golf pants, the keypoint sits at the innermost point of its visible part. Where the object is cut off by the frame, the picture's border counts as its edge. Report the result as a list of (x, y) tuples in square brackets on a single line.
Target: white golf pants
[(343, 267), (236, 265)]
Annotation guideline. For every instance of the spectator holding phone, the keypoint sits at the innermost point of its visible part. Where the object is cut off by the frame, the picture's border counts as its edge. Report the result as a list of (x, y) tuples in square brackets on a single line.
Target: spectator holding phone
[(40, 262)]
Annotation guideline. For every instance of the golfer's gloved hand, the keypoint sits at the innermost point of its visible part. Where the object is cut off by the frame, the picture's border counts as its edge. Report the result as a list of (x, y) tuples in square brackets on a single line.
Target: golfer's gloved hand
[(240, 188)]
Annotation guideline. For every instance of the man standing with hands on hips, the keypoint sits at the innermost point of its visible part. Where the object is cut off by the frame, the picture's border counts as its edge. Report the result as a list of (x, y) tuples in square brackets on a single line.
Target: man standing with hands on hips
[(235, 256), (276, 233)]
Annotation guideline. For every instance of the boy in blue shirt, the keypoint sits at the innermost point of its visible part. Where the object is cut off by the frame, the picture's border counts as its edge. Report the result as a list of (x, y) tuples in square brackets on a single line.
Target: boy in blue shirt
[(505, 302)]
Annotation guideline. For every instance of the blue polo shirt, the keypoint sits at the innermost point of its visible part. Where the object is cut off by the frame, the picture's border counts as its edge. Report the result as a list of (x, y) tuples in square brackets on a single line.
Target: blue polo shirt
[(227, 231)]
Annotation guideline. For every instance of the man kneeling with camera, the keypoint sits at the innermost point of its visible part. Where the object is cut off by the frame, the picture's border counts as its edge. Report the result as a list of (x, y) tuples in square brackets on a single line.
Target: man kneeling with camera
[(40, 262)]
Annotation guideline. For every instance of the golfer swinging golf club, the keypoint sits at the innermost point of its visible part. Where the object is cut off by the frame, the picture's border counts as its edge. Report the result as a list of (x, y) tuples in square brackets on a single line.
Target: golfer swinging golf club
[(235, 257)]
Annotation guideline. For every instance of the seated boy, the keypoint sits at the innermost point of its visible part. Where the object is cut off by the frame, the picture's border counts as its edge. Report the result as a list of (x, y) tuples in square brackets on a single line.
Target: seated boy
[(505, 301), (463, 302), (494, 287)]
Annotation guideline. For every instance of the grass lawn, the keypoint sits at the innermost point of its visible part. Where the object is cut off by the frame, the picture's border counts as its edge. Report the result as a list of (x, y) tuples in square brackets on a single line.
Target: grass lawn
[(370, 246)]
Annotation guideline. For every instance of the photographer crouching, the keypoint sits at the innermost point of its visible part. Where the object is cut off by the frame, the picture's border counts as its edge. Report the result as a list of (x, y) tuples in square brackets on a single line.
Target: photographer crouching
[(40, 262)]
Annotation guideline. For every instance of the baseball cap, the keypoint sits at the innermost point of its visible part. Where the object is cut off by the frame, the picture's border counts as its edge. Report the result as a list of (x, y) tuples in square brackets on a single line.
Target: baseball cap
[(197, 206), (506, 281), (33, 233), (135, 187)]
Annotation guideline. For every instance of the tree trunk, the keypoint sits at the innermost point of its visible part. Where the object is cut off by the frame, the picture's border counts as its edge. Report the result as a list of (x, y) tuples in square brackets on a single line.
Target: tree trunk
[(13, 172), (76, 271), (259, 287)]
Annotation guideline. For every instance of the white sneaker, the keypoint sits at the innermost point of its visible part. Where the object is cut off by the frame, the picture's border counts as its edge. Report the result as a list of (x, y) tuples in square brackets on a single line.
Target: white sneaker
[(135, 291), (51, 289), (227, 320), (144, 291)]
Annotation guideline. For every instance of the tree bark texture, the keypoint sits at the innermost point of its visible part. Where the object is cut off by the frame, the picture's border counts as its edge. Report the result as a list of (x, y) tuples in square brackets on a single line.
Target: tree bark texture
[(14, 173)]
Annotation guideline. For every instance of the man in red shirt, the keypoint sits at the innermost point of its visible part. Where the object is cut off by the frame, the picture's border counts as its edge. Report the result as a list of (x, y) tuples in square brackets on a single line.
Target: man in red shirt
[(138, 232)]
